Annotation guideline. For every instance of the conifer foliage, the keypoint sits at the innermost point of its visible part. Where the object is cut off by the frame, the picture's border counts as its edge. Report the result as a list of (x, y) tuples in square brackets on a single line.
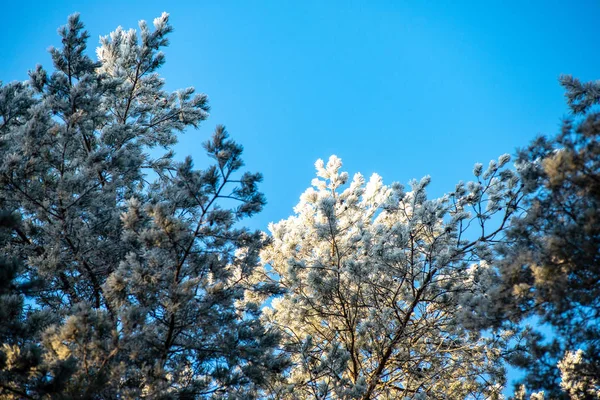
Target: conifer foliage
[(114, 286), (385, 289), (551, 269), (126, 274)]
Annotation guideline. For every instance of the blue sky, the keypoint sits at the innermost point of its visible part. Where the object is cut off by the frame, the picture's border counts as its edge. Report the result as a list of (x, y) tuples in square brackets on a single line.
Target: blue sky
[(401, 88)]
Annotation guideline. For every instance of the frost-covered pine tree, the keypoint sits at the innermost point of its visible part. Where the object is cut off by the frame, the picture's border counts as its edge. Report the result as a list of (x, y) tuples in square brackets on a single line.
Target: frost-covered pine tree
[(142, 283), (385, 290), (551, 265), (21, 358)]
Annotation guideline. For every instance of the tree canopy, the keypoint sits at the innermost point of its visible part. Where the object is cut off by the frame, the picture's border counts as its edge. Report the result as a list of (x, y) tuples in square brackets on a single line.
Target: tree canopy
[(141, 283), (384, 287), (128, 274), (551, 264)]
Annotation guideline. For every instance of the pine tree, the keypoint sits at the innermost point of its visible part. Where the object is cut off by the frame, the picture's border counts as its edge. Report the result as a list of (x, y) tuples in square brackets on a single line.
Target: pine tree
[(385, 291), (21, 358), (143, 283), (551, 269)]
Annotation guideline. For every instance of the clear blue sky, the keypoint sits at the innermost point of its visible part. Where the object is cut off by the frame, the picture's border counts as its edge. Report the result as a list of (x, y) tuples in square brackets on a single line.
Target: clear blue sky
[(402, 88)]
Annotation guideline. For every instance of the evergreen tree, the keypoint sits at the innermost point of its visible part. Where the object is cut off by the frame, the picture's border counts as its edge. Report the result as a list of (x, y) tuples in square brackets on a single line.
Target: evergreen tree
[(385, 291), (552, 267), (22, 368), (142, 283)]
